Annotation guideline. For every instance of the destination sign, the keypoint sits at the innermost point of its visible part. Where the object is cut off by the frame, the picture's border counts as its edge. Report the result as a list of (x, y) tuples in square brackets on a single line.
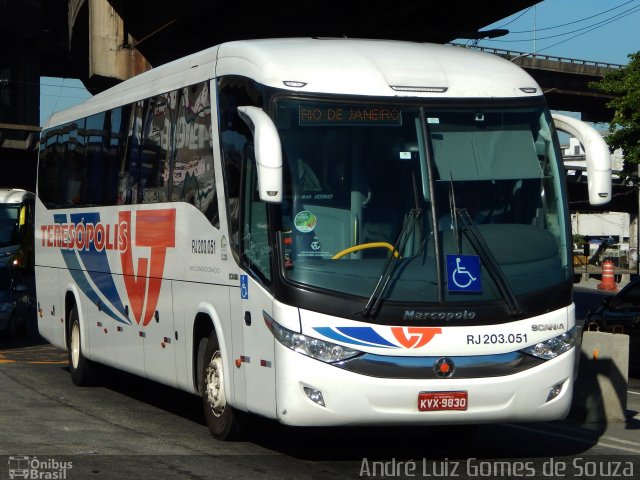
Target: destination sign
[(326, 114)]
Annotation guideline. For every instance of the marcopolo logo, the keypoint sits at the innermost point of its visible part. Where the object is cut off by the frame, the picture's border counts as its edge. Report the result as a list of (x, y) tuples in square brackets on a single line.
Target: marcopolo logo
[(84, 240), (439, 315)]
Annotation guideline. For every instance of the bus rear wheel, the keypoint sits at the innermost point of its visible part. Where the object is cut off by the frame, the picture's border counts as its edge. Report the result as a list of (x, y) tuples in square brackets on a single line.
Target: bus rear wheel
[(82, 370), (221, 419)]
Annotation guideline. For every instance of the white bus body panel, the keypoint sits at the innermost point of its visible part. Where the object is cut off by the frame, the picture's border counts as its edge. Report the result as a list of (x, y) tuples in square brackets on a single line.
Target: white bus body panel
[(114, 331), (352, 398), (50, 310), (361, 67), (266, 377), (437, 341), (340, 66)]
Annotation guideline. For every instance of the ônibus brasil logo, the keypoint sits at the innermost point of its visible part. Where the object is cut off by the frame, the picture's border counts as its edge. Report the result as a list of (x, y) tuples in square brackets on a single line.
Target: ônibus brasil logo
[(84, 240)]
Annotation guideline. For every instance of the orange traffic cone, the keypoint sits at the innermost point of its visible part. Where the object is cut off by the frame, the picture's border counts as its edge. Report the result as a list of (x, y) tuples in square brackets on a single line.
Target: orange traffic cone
[(608, 281)]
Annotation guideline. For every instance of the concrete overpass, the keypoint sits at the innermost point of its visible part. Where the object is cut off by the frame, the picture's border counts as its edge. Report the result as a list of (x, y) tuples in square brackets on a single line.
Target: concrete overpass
[(103, 42), (565, 81)]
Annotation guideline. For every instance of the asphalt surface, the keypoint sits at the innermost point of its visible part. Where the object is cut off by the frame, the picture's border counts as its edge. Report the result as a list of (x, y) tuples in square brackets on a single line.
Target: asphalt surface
[(129, 427)]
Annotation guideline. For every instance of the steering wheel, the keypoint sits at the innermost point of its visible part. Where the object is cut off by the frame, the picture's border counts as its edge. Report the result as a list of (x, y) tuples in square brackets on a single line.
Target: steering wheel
[(364, 246)]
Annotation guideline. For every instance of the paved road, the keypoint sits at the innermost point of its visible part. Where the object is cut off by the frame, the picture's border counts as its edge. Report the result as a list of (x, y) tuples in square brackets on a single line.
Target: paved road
[(132, 428)]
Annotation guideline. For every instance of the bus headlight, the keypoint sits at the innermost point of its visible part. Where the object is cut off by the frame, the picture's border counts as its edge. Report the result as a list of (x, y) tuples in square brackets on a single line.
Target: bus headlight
[(312, 347), (553, 347)]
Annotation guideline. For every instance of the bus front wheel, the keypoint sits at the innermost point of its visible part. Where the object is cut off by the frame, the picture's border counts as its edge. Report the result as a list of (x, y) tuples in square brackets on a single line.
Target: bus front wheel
[(221, 419), (81, 369)]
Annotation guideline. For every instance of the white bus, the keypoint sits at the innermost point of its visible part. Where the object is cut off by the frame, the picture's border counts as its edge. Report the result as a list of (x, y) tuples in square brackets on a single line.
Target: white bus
[(284, 227), (16, 227)]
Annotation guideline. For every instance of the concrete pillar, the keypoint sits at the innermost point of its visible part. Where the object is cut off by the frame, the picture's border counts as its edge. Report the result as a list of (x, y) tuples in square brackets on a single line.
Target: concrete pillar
[(102, 51), (110, 54), (600, 390)]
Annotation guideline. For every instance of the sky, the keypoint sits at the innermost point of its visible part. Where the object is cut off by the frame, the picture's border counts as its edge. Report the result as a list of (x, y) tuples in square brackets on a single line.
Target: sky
[(605, 31)]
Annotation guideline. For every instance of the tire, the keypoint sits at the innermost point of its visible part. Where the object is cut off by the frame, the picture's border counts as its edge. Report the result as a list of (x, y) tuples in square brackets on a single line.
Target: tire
[(11, 332), (12, 329), (222, 420), (82, 370)]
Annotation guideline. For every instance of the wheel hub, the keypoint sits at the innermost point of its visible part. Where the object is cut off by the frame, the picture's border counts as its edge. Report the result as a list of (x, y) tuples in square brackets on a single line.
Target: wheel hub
[(75, 345), (215, 385)]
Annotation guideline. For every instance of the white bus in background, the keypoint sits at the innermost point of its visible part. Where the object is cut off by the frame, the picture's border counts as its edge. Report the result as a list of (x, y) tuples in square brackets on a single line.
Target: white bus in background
[(284, 227), (16, 227)]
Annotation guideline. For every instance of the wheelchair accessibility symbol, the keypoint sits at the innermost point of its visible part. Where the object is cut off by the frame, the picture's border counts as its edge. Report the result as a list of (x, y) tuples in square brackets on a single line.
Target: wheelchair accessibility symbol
[(463, 273), (244, 287)]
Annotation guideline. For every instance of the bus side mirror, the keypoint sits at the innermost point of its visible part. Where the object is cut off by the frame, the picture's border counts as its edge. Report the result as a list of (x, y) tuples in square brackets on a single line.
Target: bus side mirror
[(597, 154), (268, 153)]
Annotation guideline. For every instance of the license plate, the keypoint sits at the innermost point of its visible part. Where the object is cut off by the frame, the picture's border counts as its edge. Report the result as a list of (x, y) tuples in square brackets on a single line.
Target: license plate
[(430, 401)]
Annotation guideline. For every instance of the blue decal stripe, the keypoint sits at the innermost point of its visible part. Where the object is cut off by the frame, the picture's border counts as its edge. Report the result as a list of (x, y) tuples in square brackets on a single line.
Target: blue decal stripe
[(81, 280), (366, 334), (334, 335), (96, 262)]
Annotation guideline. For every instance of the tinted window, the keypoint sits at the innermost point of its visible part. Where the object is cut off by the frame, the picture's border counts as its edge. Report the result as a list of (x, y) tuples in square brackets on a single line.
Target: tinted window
[(155, 150), (234, 136), (193, 174)]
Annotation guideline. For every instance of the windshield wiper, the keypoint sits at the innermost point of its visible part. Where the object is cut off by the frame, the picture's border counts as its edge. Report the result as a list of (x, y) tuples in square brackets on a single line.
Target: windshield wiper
[(480, 246), (401, 241)]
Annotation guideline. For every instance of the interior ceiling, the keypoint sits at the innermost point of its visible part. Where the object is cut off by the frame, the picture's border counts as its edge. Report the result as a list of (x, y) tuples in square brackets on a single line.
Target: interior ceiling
[(165, 29)]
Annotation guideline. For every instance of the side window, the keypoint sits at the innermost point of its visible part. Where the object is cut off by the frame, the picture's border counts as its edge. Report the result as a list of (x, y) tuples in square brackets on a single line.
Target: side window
[(234, 91), (193, 173), (255, 237), (128, 183), (94, 171), (115, 143), (48, 167), (157, 148), (80, 161), (145, 176), (73, 151)]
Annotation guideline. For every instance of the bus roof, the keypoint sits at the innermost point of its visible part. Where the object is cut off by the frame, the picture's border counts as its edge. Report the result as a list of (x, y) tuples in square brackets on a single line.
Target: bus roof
[(14, 195), (338, 66)]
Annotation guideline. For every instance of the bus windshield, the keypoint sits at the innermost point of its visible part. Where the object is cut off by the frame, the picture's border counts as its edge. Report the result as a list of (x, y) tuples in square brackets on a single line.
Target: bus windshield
[(9, 227), (478, 191)]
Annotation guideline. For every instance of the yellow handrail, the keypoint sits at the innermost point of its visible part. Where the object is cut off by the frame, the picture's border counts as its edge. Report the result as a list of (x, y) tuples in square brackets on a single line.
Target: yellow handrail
[(363, 246)]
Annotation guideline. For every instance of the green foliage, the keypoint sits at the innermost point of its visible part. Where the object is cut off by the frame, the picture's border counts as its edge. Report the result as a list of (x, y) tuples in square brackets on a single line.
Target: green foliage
[(624, 85)]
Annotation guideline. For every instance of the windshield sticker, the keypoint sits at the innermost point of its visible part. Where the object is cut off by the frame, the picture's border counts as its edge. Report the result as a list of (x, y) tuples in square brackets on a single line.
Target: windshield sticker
[(311, 247), (463, 273), (433, 120), (305, 221)]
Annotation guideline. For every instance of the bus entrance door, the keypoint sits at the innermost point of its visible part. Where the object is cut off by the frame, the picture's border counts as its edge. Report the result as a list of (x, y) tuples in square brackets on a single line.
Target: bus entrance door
[(258, 353)]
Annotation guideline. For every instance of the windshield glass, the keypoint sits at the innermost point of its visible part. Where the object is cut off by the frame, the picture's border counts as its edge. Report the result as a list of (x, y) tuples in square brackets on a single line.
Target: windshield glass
[(355, 174), (9, 225)]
